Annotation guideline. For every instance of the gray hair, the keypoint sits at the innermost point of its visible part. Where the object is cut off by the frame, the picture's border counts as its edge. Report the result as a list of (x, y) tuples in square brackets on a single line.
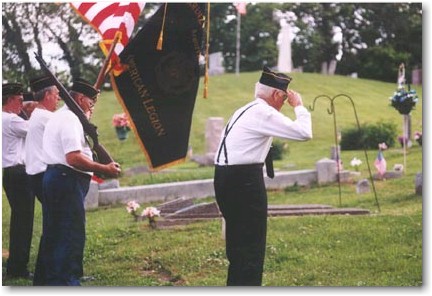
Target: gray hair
[(263, 91), (39, 95)]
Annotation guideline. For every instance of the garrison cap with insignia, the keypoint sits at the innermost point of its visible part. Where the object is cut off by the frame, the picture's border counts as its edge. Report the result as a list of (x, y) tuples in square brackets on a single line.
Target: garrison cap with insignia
[(275, 80), (86, 88), (40, 83), (14, 88)]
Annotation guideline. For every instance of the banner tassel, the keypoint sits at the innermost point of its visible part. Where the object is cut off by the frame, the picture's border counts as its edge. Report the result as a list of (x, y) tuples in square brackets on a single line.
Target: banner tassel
[(206, 76), (160, 41)]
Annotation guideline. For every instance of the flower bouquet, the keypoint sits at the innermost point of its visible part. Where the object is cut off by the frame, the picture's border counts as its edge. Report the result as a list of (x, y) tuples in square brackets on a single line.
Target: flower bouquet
[(418, 136), (404, 101), (122, 125), (355, 162), (150, 213)]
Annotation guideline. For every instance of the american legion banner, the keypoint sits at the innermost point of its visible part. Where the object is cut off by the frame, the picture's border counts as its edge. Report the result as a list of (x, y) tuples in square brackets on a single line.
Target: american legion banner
[(159, 84)]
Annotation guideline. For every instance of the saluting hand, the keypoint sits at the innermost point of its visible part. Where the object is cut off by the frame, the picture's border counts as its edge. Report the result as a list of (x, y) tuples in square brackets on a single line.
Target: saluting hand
[(294, 98)]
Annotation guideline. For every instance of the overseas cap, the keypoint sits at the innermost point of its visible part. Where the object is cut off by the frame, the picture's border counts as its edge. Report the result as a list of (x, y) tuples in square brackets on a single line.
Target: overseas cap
[(86, 88), (14, 88), (40, 83), (275, 80)]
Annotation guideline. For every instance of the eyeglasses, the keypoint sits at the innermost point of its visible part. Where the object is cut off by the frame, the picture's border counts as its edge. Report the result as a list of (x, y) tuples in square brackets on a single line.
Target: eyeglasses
[(285, 96)]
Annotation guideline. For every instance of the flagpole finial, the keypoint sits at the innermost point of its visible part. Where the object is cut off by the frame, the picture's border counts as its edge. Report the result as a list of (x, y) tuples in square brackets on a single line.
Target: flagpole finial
[(160, 40)]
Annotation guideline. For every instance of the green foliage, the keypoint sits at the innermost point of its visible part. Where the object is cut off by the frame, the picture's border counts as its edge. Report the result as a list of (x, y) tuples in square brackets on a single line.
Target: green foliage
[(387, 67), (369, 136), (280, 148)]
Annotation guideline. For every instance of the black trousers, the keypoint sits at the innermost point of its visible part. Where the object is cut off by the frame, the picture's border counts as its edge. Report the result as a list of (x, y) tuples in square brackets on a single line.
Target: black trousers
[(242, 198), (17, 187)]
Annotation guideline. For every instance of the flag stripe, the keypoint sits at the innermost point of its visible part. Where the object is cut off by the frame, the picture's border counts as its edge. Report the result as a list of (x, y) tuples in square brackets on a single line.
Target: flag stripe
[(107, 18)]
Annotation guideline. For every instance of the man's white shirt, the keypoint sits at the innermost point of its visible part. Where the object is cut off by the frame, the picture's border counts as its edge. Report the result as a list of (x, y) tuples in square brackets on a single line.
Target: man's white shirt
[(250, 139), (64, 134), (33, 144), (14, 131)]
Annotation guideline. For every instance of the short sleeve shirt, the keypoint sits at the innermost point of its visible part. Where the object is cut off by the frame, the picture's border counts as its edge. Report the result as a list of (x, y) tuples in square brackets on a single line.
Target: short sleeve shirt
[(64, 134), (14, 131)]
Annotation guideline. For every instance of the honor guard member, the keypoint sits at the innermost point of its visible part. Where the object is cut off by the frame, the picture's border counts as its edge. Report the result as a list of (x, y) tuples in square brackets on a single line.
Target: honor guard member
[(239, 184), (15, 181), (29, 104), (65, 185), (46, 96)]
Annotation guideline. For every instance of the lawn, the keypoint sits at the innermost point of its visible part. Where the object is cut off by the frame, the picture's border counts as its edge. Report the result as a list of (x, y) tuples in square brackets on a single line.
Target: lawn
[(380, 249)]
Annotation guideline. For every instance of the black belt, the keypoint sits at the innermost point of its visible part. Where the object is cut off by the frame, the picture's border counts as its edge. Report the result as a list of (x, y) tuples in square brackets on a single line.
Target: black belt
[(244, 166), (66, 169), (15, 166)]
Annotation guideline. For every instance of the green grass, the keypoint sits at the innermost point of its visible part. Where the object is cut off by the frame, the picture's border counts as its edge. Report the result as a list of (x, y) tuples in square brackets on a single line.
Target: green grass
[(380, 249)]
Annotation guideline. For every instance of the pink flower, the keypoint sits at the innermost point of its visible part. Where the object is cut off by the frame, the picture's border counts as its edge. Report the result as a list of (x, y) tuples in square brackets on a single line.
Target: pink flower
[(150, 212), (382, 146), (132, 206), (120, 120)]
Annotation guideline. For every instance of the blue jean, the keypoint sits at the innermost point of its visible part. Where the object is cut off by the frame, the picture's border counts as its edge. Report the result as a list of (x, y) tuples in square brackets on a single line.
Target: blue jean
[(64, 191)]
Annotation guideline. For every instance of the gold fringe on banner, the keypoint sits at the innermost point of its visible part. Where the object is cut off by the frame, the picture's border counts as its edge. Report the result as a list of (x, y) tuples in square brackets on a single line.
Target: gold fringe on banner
[(206, 76), (160, 41)]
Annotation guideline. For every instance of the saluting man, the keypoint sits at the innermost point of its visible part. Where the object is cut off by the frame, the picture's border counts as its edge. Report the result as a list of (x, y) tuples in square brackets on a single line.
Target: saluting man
[(46, 95), (65, 185), (15, 181), (239, 183)]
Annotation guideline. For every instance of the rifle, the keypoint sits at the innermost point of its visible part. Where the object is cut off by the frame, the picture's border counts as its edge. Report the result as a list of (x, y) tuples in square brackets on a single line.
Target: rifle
[(101, 154)]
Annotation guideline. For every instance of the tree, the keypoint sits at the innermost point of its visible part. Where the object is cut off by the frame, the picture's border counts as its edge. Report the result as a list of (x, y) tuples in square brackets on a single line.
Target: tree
[(56, 33), (258, 35)]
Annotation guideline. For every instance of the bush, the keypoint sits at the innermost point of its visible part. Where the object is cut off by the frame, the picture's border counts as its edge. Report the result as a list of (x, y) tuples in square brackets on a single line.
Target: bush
[(279, 148), (369, 136)]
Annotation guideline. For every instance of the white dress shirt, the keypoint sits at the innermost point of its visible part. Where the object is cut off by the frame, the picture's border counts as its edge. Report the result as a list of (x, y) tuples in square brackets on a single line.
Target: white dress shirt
[(63, 134), (14, 131), (33, 142), (250, 139)]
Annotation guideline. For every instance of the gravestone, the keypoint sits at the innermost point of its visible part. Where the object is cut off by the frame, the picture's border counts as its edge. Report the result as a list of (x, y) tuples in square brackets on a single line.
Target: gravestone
[(363, 186), (91, 200), (197, 211), (335, 153), (419, 184), (174, 205), (214, 127), (326, 171), (416, 76), (213, 133), (216, 63)]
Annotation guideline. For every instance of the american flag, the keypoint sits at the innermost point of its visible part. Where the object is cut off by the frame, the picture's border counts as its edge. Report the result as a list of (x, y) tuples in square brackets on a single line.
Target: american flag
[(108, 18), (241, 7), (380, 163)]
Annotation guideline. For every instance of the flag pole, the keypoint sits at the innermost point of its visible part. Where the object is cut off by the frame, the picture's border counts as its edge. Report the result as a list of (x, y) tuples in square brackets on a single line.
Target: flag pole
[(104, 68)]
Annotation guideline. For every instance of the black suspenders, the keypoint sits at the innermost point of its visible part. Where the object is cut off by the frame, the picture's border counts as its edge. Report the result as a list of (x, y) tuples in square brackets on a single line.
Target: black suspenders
[(227, 130)]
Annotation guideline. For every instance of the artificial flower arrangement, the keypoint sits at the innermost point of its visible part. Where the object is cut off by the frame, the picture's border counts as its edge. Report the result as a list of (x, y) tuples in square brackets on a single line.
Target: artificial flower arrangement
[(418, 136), (121, 124), (404, 101), (355, 162), (150, 213), (120, 120)]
